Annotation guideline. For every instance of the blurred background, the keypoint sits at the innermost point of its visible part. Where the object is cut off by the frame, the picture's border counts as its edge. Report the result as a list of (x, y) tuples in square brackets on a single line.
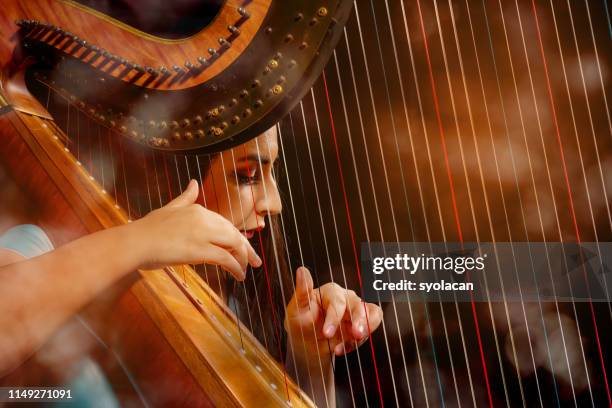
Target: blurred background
[(450, 121)]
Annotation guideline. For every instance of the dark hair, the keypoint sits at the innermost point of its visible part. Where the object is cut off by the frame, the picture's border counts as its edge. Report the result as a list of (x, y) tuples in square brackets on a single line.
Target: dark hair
[(259, 306), (262, 307)]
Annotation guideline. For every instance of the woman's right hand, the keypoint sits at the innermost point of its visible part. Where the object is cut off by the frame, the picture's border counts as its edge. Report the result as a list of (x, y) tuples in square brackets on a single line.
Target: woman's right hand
[(183, 232)]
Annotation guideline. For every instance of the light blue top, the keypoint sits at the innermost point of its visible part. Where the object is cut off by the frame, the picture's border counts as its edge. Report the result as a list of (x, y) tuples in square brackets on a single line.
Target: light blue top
[(27, 240), (89, 388)]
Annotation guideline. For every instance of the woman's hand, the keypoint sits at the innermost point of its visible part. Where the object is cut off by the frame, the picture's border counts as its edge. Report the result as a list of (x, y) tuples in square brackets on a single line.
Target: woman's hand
[(329, 313), (183, 232)]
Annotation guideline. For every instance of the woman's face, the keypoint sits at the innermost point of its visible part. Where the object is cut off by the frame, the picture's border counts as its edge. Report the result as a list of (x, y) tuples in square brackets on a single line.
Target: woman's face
[(240, 183)]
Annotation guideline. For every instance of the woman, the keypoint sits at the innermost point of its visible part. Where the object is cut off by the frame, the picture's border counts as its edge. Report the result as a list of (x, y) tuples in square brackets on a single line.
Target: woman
[(318, 322)]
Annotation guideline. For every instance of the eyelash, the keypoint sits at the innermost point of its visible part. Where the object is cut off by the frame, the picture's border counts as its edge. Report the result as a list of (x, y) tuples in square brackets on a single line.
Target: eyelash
[(244, 179)]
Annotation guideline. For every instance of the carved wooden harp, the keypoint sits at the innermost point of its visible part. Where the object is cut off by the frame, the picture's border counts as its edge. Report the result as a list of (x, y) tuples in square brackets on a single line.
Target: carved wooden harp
[(78, 85)]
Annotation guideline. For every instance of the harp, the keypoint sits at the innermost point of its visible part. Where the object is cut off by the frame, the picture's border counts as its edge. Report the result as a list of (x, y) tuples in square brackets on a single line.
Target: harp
[(86, 99)]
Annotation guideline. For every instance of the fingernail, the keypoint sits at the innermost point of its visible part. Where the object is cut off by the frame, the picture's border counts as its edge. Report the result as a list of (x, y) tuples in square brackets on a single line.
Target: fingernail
[(329, 330), (361, 328), (258, 261), (339, 349)]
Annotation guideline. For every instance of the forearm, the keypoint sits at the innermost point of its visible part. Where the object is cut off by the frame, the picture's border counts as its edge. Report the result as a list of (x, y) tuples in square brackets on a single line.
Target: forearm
[(314, 371), (38, 295)]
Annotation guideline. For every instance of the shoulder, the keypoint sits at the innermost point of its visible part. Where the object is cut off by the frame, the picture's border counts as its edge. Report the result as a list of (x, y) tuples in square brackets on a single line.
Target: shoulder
[(27, 240)]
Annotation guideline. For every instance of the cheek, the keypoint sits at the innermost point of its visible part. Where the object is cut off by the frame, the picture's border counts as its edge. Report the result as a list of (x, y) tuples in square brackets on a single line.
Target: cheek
[(246, 200)]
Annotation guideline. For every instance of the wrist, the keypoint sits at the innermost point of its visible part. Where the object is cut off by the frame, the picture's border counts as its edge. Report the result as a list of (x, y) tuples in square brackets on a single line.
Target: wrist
[(130, 242)]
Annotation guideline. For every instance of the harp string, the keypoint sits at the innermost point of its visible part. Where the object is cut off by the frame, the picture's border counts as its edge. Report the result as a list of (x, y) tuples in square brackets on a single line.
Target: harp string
[(337, 237), (567, 184), (276, 254), (590, 116), (359, 192), (420, 189), (563, 334), (275, 321), (580, 155), (295, 223), (603, 88), (507, 131), (386, 179), (472, 210), (250, 271), (318, 200), (472, 126), (402, 179), (434, 183)]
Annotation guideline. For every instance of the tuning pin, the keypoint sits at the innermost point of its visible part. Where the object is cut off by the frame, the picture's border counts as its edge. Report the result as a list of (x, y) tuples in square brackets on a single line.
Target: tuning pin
[(185, 122), (233, 29), (174, 125), (197, 120), (212, 51), (242, 11), (189, 65), (163, 70), (177, 69), (223, 42), (202, 60)]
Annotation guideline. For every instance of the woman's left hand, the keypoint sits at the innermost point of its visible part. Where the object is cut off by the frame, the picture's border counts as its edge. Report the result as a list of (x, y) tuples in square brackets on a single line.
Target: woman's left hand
[(329, 313)]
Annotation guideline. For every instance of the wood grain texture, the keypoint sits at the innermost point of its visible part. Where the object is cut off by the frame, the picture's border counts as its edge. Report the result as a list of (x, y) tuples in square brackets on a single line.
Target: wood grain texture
[(144, 49), (178, 342)]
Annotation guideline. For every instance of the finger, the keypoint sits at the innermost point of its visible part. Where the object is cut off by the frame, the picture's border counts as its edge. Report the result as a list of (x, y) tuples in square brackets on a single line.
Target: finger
[(334, 302), (219, 256), (304, 287), (345, 348), (359, 322), (375, 316), (254, 259), (187, 197)]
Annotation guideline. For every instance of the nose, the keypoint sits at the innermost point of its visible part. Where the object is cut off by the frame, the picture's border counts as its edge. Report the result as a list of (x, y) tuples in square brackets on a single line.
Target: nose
[(269, 202)]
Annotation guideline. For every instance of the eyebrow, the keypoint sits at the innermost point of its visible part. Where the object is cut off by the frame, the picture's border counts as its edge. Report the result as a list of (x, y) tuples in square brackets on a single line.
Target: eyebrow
[(255, 158)]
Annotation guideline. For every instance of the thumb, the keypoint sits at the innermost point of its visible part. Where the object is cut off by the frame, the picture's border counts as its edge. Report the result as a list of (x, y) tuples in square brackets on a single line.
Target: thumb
[(187, 197), (303, 287)]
